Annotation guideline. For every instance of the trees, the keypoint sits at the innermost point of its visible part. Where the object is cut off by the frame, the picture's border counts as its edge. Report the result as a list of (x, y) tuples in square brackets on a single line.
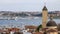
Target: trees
[(38, 28)]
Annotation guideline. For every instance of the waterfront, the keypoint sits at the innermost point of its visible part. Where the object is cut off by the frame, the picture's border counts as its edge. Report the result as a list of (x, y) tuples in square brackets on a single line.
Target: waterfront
[(24, 21)]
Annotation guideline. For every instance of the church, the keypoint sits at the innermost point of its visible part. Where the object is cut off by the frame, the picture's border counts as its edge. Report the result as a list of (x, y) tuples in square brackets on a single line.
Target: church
[(48, 27)]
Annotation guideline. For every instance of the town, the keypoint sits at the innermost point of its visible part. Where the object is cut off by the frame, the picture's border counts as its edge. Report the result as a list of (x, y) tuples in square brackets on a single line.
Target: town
[(49, 27)]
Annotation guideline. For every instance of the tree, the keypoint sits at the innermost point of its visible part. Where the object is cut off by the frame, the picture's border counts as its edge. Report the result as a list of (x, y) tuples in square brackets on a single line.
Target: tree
[(38, 28)]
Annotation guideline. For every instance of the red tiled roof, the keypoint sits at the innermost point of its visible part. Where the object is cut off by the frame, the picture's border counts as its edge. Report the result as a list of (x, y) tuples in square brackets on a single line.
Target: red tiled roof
[(37, 33), (1, 30), (30, 27), (14, 29), (30, 31), (44, 29), (52, 30)]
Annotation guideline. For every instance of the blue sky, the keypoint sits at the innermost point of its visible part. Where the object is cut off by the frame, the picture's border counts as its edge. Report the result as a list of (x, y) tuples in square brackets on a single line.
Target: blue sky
[(28, 5)]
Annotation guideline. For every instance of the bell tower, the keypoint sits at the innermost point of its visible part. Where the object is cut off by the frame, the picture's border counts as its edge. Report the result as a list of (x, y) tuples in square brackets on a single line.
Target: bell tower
[(44, 16)]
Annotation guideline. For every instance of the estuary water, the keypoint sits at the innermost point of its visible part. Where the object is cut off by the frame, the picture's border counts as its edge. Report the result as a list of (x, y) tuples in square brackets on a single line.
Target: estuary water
[(24, 21)]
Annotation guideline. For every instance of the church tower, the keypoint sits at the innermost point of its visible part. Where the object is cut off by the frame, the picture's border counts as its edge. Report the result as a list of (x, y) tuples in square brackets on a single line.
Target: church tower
[(44, 16)]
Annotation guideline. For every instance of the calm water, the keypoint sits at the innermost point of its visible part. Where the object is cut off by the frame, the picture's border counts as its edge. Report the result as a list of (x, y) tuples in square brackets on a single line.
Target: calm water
[(20, 22)]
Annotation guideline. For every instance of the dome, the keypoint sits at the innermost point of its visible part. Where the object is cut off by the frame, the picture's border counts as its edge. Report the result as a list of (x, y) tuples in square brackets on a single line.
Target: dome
[(51, 23)]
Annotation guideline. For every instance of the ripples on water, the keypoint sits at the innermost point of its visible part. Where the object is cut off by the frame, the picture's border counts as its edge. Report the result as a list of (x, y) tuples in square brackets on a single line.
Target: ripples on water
[(21, 22)]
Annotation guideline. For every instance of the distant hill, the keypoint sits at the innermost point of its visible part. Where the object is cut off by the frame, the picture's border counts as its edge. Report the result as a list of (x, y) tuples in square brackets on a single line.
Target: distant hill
[(25, 14)]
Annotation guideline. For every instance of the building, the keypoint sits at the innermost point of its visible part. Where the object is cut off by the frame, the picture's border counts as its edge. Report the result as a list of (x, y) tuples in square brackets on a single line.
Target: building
[(49, 27), (44, 16), (31, 28), (52, 26), (37, 33)]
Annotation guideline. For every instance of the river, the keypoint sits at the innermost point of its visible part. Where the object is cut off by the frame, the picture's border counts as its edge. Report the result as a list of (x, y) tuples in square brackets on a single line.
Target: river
[(25, 21)]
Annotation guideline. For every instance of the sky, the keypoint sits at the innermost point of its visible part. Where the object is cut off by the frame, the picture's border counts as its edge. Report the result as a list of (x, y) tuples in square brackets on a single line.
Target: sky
[(29, 5)]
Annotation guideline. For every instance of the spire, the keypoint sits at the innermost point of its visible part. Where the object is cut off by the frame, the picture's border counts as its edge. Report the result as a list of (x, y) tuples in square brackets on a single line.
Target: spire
[(44, 8), (45, 2)]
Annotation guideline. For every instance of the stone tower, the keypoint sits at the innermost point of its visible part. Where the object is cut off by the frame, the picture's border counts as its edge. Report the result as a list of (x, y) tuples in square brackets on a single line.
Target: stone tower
[(44, 16)]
